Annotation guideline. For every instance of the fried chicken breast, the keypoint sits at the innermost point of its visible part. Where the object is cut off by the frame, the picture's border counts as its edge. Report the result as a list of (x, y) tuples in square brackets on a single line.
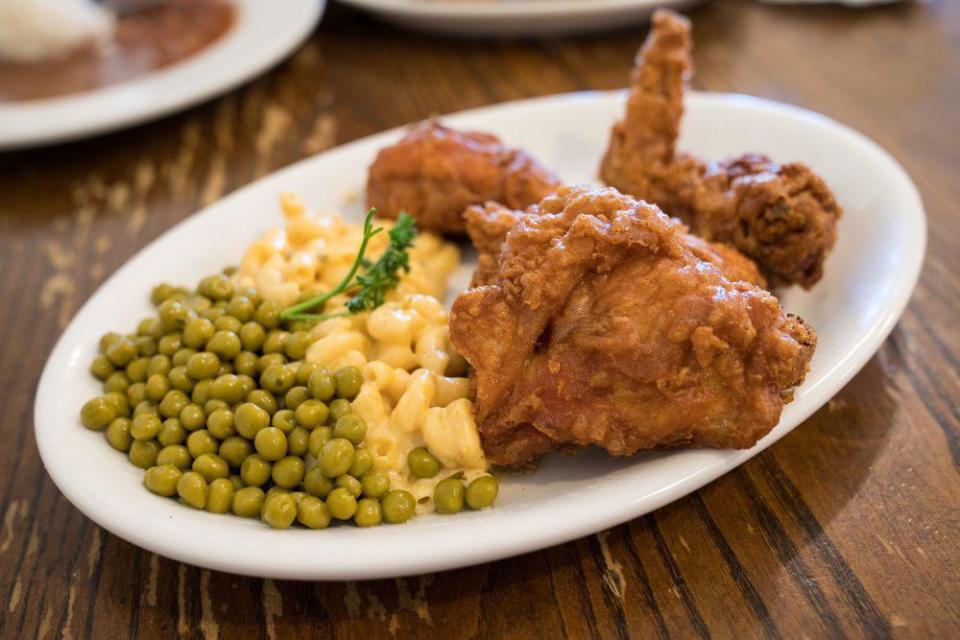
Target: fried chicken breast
[(434, 173), (600, 326), (782, 216)]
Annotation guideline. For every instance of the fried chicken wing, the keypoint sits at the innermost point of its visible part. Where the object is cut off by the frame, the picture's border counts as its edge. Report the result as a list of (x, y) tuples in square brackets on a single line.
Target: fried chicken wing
[(488, 225), (600, 326), (435, 173), (782, 216)]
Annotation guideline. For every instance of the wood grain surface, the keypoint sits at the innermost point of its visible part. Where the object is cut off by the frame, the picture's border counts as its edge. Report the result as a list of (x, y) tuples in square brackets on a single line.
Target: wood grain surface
[(849, 526)]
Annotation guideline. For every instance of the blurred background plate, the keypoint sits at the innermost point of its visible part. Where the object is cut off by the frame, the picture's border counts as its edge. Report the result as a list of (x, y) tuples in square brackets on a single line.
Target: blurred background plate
[(514, 17), (261, 37)]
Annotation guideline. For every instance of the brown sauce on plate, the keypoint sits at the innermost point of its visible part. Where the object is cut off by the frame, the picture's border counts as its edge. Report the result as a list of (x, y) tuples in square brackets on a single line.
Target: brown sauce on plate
[(142, 42)]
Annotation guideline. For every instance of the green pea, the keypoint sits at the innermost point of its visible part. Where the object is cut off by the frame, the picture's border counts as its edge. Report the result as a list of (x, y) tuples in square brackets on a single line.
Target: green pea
[(298, 441), (97, 413), (362, 462), (162, 479), (297, 343), (137, 370), (319, 437), (341, 504), (303, 373), (255, 471), (482, 492), (217, 287), (173, 314), (336, 456), (143, 453), (197, 333), (150, 327), (198, 303), (283, 419), (313, 513), (311, 413), (348, 380), (235, 450), (422, 464), (448, 496), (220, 496), (182, 356), (228, 388), (201, 442), (248, 501), (146, 347), (268, 314), (160, 293), (225, 344), (201, 392), (108, 339), (398, 506), (368, 513), (322, 385), (145, 427), (136, 393), (246, 363), (279, 511), (118, 434), (211, 466), (296, 396), (267, 360), (241, 308), (252, 336), (203, 365), (157, 387), (271, 443), (236, 481), (288, 472), (171, 432), (375, 484), (213, 314), (351, 484), (193, 417), (247, 384), (122, 352), (117, 381), (119, 403), (192, 489), (277, 379), (158, 364), (180, 379), (101, 367), (170, 344), (176, 455), (338, 409), (145, 407), (276, 342), (173, 403), (214, 404), (249, 419), (317, 484), (352, 427), (220, 424)]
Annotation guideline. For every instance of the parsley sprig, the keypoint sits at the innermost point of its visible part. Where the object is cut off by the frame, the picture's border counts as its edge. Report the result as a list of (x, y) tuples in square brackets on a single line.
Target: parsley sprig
[(372, 285)]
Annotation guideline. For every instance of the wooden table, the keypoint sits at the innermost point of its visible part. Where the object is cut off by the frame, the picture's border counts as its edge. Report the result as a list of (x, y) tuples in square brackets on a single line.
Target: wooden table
[(848, 526)]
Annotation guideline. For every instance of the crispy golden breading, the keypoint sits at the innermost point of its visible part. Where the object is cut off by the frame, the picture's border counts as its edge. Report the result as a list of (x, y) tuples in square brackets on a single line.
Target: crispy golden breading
[(601, 326), (782, 216), (435, 173), (488, 225)]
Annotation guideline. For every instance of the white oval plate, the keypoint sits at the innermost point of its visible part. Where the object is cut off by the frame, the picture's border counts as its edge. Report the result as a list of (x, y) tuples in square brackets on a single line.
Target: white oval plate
[(261, 37), (514, 17), (868, 281)]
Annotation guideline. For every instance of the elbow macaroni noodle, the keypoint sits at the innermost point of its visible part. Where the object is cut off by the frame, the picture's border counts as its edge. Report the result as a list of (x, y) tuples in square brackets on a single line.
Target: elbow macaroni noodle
[(414, 390)]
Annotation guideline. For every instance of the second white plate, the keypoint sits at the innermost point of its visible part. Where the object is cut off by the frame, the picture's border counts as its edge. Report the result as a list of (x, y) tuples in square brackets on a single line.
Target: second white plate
[(868, 281)]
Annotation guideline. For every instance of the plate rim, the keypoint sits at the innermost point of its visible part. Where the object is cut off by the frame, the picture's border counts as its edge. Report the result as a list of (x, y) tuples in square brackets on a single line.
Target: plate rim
[(464, 9), (148, 97), (831, 382)]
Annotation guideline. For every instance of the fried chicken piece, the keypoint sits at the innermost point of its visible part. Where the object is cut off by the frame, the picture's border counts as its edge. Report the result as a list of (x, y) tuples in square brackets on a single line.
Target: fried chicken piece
[(601, 326), (782, 216), (488, 225), (435, 173)]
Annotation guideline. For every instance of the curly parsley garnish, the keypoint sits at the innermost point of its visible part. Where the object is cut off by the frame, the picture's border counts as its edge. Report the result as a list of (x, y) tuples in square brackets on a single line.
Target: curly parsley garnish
[(372, 285)]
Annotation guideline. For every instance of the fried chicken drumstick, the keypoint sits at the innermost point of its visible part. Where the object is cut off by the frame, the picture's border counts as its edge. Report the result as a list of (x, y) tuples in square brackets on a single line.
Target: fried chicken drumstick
[(601, 326), (782, 216), (435, 173)]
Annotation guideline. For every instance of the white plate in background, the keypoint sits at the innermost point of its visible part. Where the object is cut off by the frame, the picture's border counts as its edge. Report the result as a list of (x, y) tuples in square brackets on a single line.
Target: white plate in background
[(260, 38), (868, 281), (514, 17)]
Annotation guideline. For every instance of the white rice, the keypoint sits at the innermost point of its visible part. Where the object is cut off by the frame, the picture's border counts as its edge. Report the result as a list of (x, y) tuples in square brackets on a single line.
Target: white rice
[(32, 30)]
